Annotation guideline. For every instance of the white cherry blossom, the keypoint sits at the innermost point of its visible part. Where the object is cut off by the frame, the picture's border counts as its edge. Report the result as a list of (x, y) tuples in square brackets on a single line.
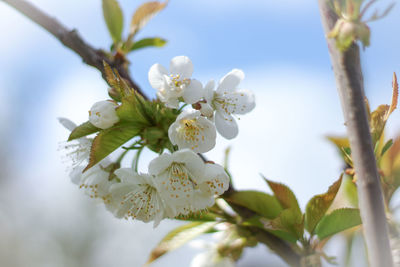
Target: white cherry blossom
[(177, 83), (191, 130), (216, 180), (210, 257), (78, 151), (96, 182), (227, 101), (103, 115), (186, 182), (137, 196)]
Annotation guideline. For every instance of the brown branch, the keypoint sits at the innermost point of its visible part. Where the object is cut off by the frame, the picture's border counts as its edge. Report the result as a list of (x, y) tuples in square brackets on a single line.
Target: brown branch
[(349, 80), (72, 40)]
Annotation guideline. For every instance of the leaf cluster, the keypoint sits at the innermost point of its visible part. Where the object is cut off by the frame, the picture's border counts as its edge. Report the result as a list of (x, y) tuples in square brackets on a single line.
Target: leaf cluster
[(114, 19)]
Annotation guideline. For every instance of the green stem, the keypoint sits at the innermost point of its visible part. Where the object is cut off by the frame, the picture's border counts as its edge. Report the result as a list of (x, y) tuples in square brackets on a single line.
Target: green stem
[(136, 158)]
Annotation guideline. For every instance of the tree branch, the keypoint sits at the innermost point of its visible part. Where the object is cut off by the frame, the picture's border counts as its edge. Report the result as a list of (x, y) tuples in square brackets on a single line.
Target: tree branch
[(282, 248), (349, 80), (72, 40)]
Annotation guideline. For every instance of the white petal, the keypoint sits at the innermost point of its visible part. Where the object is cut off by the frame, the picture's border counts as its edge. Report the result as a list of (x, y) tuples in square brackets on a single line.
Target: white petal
[(160, 163), (188, 114), (188, 157), (209, 91), (68, 124), (172, 103), (206, 110), (202, 201), (217, 176), (193, 92), (236, 102), (182, 66), (226, 125), (129, 175), (76, 175), (230, 81), (156, 76), (103, 115)]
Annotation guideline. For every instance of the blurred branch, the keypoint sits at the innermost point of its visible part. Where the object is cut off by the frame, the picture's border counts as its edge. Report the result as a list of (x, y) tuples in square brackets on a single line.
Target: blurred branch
[(72, 40), (349, 80), (282, 248)]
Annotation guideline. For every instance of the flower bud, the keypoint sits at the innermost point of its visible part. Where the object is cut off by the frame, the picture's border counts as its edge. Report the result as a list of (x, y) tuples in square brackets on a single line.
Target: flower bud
[(103, 114)]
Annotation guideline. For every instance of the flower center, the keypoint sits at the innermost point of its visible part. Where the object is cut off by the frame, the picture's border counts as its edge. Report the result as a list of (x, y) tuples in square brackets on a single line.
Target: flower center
[(177, 83), (180, 181), (190, 131), (144, 202)]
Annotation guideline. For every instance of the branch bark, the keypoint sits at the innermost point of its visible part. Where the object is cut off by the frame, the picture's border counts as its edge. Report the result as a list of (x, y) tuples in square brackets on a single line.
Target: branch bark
[(349, 80), (71, 39)]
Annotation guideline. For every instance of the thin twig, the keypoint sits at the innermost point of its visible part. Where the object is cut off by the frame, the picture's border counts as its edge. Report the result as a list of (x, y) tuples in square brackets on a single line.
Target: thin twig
[(349, 80), (71, 39)]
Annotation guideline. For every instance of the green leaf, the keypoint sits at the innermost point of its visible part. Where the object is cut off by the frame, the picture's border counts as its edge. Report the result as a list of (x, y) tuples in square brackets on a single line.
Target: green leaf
[(285, 196), (318, 206), (109, 140), (337, 221), (83, 130), (146, 42), (118, 84), (144, 13), (131, 110), (265, 225), (378, 122), (386, 147), (288, 221), (259, 202), (114, 19), (350, 190), (179, 237)]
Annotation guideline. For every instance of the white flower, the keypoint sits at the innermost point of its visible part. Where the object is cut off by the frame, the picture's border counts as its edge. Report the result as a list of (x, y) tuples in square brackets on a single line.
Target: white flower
[(211, 259), (96, 182), (137, 197), (228, 100), (177, 83), (78, 151), (103, 114), (186, 182), (191, 130), (216, 181)]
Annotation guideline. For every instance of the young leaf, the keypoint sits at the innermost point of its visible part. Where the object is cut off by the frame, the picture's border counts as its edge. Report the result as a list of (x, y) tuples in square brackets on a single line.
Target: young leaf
[(288, 221), (114, 19), (337, 221), (179, 237), (259, 202), (386, 147), (83, 130), (265, 224), (116, 81), (131, 110), (378, 122), (143, 14), (146, 42), (109, 140), (395, 96), (285, 196), (319, 204)]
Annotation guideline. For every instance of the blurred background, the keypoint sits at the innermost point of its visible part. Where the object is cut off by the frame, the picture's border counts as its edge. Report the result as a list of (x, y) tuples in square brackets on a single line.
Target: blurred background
[(46, 221)]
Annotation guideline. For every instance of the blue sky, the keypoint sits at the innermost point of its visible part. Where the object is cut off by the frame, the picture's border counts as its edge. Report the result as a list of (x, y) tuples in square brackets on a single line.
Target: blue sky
[(279, 45)]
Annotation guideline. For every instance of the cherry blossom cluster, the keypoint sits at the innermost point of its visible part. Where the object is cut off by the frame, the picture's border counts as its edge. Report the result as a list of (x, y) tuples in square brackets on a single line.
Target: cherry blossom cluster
[(177, 183), (213, 109)]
